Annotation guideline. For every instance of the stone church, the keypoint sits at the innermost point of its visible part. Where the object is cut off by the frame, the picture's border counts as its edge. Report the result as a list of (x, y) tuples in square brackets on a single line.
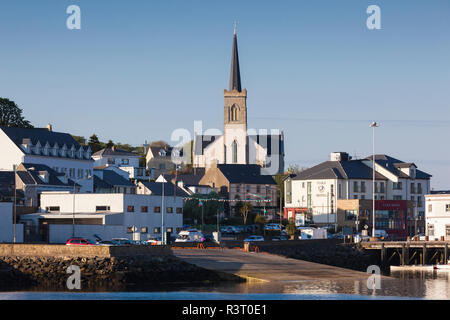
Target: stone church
[(238, 144)]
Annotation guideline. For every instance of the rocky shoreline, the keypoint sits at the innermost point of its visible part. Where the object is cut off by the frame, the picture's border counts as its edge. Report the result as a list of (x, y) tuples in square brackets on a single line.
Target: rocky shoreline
[(104, 273)]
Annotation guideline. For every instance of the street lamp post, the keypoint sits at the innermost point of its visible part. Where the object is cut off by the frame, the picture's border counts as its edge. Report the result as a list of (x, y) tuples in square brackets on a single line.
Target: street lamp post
[(73, 203), (373, 125)]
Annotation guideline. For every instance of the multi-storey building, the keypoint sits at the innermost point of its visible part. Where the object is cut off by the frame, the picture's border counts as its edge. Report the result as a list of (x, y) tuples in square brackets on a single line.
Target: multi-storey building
[(323, 192), (438, 215), (41, 146)]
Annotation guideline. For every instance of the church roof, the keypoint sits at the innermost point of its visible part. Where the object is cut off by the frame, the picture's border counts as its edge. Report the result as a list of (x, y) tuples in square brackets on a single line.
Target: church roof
[(235, 74), (245, 173)]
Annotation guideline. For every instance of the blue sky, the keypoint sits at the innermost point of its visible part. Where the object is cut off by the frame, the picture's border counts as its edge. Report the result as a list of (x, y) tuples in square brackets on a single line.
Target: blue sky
[(137, 70)]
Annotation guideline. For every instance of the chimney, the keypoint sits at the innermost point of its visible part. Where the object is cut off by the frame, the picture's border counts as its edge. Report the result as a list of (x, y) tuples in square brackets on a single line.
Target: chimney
[(49, 127)]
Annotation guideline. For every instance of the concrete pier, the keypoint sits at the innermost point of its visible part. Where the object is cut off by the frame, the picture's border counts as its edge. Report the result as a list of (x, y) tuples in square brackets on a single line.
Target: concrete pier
[(264, 267)]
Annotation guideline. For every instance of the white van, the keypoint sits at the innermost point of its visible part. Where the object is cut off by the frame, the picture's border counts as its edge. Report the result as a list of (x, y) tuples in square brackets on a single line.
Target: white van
[(192, 235)]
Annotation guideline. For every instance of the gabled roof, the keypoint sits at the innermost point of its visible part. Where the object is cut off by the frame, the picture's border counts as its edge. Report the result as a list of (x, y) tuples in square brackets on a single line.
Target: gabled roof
[(203, 141), (32, 176), (114, 152), (157, 188), (392, 165), (352, 169), (41, 135), (114, 179), (244, 173)]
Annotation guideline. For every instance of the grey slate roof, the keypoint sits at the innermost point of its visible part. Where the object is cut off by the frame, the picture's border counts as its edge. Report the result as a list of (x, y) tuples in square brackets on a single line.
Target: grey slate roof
[(111, 179), (31, 176), (43, 135), (169, 188), (245, 173), (391, 164), (115, 152)]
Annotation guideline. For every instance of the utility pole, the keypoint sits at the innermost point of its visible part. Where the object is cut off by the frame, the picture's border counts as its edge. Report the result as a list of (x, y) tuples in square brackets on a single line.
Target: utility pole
[(15, 202), (373, 125)]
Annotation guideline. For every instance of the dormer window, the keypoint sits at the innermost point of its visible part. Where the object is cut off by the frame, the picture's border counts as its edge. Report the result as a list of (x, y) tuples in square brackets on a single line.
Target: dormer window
[(63, 151), (162, 153)]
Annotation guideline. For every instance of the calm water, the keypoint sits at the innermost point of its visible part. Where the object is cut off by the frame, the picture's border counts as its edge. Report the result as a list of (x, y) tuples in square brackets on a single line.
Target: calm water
[(401, 285)]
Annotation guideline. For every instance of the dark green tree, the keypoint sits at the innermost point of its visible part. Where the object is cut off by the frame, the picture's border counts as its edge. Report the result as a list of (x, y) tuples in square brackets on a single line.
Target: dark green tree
[(11, 115), (94, 143)]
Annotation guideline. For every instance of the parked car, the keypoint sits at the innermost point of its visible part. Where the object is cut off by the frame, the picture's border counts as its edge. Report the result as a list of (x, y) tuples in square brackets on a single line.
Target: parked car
[(154, 241), (254, 238), (79, 242), (191, 235), (280, 238), (272, 226), (123, 241), (229, 230), (107, 243)]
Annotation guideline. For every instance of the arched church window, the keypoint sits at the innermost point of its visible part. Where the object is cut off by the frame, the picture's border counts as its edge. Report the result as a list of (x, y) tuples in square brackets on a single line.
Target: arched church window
[(234, 112), (234, 148)]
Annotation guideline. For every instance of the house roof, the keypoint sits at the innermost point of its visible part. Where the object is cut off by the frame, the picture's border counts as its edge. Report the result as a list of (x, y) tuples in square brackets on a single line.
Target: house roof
[(32, 176), (157, 188), (356, 169), (113, 151), (244, 173), (392, 165), (111, 179), (43, 135)]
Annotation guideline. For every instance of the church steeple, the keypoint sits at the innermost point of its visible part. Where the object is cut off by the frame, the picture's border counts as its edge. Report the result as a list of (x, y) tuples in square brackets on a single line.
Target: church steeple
[(235, 74)]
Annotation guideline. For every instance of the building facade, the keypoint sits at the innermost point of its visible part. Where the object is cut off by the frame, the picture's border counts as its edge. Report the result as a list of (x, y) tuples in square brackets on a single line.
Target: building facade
[(317, 192), (58, 151), (438, 216)]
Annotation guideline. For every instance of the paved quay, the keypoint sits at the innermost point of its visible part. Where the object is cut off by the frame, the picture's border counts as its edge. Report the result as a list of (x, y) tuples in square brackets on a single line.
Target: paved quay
[(264, 266)]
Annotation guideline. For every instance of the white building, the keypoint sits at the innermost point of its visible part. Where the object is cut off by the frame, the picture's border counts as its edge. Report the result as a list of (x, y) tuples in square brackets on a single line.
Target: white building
[(317, 190), (438, 216), (7, 224), (56, 150), (122, 160), (113, 215)]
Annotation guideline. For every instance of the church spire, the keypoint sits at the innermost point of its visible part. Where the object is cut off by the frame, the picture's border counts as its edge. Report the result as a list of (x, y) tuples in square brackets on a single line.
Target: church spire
[(235, 74)]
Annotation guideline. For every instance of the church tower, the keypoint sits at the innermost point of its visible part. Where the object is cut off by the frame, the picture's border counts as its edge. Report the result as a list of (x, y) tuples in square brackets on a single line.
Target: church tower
[(235, 114)]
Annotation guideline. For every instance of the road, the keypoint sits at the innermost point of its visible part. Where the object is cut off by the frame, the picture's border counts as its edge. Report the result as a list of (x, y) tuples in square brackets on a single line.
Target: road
[(263, 266)]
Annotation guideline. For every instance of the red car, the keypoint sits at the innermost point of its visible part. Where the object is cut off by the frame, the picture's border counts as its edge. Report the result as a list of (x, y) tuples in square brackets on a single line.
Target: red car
[(79, 242)]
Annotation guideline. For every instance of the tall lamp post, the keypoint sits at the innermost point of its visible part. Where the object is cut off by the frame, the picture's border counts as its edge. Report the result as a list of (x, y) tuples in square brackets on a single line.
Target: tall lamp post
[(373, 125), (73, 203)]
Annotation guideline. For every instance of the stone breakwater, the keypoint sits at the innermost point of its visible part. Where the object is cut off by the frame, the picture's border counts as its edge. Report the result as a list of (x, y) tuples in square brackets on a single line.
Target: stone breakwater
[(103, 273), (327, 252)]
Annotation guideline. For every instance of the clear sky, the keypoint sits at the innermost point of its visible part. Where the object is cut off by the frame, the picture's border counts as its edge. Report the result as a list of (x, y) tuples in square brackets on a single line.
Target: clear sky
[(137, 70)]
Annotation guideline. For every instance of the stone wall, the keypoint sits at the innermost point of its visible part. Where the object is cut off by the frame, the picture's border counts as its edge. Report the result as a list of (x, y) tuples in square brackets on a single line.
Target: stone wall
[(49, 250)]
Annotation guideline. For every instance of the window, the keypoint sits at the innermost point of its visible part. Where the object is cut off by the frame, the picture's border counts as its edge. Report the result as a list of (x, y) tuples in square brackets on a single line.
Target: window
[(130, 209), (397, 186), (111, 161), (431, 230), (419, 188), (102, 208), (144, 209), (397, 198), (288, 191), (363, 186), (350, 214), (144, 230), (355, 187), (130, 229), (179, 210), (258, 189), (430, 208), (413, 187), (247, 188), (355, 196), (169, 210), (447, 230), (157, 209), (52, 209), (157, 230), (339, 191), (234, 151), (162, 166), (125, 161), (381, 187), (363, 197), (447, 207)]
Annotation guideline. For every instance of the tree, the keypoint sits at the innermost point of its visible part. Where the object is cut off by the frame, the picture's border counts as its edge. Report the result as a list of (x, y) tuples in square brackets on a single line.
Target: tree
[(94, 143), (110, 144), (291, 229), (245, 209), (260, 220), (11, 115), (80, 139)]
